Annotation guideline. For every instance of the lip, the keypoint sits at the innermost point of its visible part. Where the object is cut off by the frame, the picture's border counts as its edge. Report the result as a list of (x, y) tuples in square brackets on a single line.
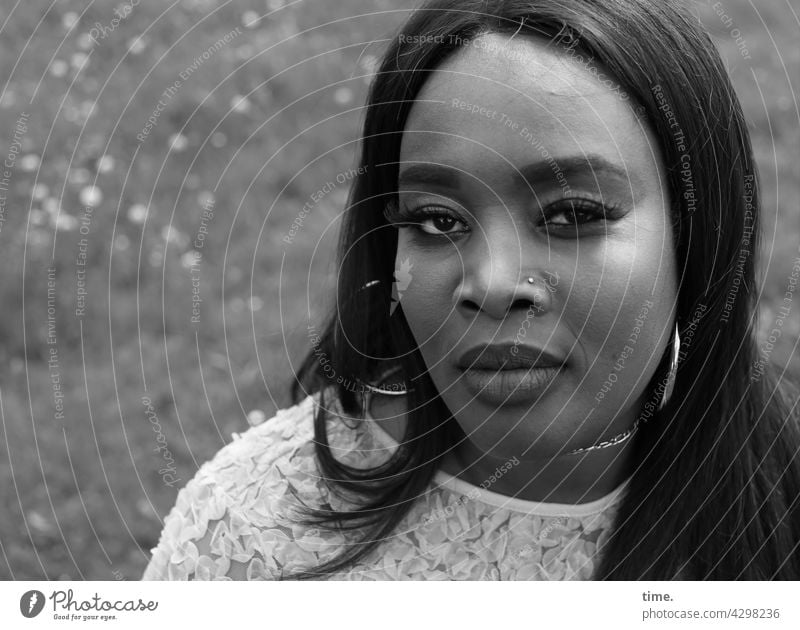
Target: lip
[(500, 375), (507, 356), (509, 387)]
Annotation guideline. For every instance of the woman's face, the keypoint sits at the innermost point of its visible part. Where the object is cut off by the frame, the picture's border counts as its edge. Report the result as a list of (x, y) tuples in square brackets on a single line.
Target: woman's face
[(526, 163)]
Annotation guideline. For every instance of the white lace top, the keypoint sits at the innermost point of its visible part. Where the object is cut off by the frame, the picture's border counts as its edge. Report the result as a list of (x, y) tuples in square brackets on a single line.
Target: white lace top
[(233, 520)]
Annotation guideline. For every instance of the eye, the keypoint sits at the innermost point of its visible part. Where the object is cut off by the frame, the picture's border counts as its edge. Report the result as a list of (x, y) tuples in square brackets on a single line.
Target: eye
[(574, 212), (436, 223), (428, 220)]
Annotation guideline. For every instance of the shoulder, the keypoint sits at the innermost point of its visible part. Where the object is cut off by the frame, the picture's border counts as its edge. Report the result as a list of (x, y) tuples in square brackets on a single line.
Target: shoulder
[(234, 518)]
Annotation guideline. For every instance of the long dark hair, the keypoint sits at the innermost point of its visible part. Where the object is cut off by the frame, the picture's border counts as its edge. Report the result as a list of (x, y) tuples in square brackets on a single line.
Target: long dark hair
[(716, 476)]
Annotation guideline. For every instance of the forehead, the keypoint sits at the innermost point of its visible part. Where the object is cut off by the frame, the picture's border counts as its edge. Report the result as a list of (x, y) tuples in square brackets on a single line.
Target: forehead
[(502, 102)]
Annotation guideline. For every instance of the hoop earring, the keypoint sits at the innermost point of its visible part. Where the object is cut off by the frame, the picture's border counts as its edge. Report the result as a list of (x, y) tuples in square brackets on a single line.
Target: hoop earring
[(366, 387), (369, 284), (389, 391), (669, 385)]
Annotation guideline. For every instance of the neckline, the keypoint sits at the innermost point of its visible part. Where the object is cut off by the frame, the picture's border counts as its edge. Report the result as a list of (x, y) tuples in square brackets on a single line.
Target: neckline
[(490, 497)]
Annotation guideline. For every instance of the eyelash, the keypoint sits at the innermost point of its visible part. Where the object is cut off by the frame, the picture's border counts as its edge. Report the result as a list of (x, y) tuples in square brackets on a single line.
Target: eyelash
[(412, 219)]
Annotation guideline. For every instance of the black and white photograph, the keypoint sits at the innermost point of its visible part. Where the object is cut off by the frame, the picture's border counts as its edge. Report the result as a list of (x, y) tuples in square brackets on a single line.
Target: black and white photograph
[(371, 290)]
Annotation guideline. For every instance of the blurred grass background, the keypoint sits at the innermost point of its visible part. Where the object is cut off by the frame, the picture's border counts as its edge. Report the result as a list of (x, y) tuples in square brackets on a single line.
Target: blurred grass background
[(260, 124)]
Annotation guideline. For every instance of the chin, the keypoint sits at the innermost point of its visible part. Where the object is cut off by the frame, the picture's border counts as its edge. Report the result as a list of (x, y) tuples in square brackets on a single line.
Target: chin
[(504, 434)]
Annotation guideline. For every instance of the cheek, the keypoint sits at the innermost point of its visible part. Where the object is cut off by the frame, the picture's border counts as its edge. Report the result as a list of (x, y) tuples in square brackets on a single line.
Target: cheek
[(626, 305), (423, 287)]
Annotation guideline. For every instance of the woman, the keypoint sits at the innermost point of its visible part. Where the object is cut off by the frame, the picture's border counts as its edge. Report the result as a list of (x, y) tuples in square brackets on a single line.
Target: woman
[(543, 337)]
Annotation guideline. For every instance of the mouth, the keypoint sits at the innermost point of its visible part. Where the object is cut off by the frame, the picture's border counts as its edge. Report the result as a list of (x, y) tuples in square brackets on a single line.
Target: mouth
[(504, 374), (506, 387), (507, 356)]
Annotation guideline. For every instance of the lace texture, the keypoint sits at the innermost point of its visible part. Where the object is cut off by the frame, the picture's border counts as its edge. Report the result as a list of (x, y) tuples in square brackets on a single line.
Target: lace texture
[(234, 518)]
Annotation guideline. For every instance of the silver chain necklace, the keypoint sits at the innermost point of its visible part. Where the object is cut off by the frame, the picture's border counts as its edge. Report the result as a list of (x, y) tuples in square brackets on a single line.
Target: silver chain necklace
[(617, 439)]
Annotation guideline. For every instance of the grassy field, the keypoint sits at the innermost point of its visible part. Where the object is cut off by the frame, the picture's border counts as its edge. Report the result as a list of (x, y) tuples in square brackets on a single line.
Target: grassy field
[(137, 135)]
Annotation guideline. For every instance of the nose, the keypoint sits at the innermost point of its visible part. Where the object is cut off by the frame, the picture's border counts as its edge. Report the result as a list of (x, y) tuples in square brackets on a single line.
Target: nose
[(495, 280)]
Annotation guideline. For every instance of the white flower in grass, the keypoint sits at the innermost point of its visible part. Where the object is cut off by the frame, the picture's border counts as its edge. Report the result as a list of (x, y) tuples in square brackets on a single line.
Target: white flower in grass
[(250, 19), (240, 104), (256, 303), (91, 196), (137, 45), (174, 235), (190, 259), (69, 19), (30, 162), (39, 522), (137, 213), (105, 164), (51, 206), (9, 97), (59, 68), (78, 60), (40, 191), (205, 198), (64, 222), (178, 142), (85, 41)]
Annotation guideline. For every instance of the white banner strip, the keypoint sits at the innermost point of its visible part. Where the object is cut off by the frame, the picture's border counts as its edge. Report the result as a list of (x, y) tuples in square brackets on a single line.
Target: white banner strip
[(402, 605)]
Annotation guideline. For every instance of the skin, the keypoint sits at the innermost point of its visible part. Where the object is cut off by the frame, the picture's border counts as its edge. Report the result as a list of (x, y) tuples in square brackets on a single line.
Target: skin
[(593, 278)]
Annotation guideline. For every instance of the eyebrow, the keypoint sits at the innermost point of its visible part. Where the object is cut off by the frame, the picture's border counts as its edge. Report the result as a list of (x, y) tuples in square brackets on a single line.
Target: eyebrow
[(439, 175)]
